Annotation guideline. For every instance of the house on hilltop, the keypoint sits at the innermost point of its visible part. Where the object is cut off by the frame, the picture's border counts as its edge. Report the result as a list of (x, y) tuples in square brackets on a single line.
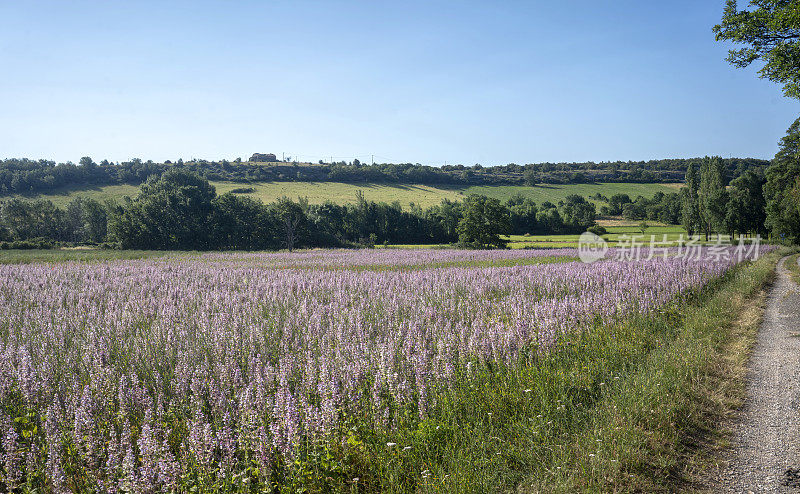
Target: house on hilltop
[(263, 158)]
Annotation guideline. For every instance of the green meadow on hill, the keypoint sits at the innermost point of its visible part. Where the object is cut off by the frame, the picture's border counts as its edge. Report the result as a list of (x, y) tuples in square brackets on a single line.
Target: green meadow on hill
[(406, 194)]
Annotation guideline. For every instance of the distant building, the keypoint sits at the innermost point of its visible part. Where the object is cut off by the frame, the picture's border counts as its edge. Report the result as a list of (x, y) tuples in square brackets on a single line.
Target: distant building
[(263, 158)]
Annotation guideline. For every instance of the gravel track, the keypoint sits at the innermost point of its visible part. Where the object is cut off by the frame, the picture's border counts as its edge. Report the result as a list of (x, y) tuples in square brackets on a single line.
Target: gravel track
[(765, 443)]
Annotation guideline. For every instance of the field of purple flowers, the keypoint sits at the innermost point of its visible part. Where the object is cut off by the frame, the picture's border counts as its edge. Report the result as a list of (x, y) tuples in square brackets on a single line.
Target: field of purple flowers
[(253, 372)]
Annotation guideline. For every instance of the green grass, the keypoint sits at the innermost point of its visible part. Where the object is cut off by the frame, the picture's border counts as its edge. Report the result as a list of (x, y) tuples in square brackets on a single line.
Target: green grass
[(61, 197), (613, 237), (62, 255), (793, 267), (341, 193), (555, 193)]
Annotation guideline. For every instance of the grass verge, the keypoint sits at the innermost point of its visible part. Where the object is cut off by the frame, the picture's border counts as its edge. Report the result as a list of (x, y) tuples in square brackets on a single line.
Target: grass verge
[(658, 430), (793, 267)]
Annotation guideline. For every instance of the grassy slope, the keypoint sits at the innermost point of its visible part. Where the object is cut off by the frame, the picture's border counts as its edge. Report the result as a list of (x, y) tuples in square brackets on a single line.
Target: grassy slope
[(555, 193), (424, 195)]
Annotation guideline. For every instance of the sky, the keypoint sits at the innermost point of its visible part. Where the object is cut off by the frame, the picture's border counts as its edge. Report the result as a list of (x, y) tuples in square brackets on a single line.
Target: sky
[(432, 82)]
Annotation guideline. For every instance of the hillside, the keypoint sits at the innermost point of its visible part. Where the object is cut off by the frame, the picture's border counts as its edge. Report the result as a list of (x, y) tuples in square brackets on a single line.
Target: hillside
[(406, 194), (24, 176)]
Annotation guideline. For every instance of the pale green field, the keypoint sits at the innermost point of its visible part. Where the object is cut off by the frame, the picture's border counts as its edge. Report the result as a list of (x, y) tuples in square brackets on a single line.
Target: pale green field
[(62, 197), (555, 193), (613, 237), (423, 195), (342, 193)]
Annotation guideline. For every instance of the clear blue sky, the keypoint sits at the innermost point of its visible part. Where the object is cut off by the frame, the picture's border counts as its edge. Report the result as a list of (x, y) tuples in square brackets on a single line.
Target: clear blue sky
[(488, 82)]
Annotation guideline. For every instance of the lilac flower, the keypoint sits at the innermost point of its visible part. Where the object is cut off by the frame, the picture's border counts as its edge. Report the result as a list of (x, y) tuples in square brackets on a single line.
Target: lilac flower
[(262, 352), (13, 458)]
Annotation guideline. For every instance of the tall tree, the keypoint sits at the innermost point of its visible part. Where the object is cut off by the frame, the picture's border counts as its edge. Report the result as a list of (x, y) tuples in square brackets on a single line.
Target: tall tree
[(484, 220), (713, 196), (578, 213), (171, 212), (292, 218), (690, 210), (771, 29), (746, 211), (782, 190)]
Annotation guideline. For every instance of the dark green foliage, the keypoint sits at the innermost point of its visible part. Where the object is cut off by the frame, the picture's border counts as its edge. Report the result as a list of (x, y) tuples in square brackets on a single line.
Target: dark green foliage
[(665, 208), (37, 219), (597, 230), (690, 202), (771, 29), (782, 189), (705, 203), (240, 223), (746, 209), (616, 204), (523, 214), (483, 221), (180, 211), (291, 218), (549, 220), (577, 213), (171, 212), (713, 196), (86, 221)]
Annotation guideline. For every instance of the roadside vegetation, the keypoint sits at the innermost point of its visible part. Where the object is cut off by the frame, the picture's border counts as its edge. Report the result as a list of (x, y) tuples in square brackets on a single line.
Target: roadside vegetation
[(793, 267)]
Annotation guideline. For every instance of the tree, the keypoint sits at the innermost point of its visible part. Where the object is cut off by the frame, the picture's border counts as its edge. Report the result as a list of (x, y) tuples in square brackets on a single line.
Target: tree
[(523, 214), (713, 197), (578, 213), (531, 177), (327, 222), (746, 210), (548, 220), (781, 188), (616, 202), (87, 162), (690, 211), (484, 220), (171, 212), (292, 219), (772, 31), (241, 223)]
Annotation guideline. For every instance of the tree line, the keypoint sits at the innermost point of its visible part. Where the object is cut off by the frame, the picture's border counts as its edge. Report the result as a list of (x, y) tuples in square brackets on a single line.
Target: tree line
[(180, 210), (24, 176), (770, 33)]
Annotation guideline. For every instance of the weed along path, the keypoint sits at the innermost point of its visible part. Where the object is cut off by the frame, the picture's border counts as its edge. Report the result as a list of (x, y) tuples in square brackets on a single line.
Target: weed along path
[(765, 443)]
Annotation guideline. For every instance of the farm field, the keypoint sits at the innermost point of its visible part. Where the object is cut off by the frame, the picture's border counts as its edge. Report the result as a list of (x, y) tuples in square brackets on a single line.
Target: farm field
[(354, 371), (423, 195), (615, 234), (60, 255)]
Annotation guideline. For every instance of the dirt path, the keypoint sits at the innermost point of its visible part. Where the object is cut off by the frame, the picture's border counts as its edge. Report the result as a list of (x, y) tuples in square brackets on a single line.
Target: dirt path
[(765, 443)]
